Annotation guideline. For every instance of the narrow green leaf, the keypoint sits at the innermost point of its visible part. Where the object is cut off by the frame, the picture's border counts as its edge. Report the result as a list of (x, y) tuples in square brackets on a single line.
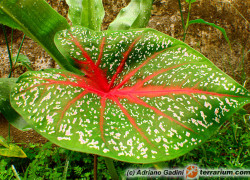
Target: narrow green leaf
[(145, 97), (87, 13), (8, 21), (5, 108), (10, 150), (135, 15), (223, 31), (34, 18), (3, 142)]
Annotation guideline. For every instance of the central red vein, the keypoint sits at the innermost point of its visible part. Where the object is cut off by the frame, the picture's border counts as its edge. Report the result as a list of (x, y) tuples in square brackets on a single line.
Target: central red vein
[(66, 83), (131, 120), (125, 57), (157, 111), (101, 51), (140, 84), (98, 74), (70, 104), (103, 104), (128, 76), (154, 91)]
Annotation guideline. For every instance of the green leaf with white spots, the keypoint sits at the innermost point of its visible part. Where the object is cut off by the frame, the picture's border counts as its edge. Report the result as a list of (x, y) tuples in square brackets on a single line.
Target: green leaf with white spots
[(5, 108), (143, 97)]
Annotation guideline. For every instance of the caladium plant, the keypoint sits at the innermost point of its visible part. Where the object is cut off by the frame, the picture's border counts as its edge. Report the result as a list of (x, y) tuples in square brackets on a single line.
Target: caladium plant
[(141, 96)]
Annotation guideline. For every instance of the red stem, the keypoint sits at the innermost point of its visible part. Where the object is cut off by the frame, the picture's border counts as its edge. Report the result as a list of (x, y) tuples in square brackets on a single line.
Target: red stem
[(125, 57)]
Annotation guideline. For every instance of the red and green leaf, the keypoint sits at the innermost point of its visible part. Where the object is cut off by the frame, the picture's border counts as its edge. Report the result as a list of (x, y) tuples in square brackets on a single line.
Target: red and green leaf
[(142, 97)]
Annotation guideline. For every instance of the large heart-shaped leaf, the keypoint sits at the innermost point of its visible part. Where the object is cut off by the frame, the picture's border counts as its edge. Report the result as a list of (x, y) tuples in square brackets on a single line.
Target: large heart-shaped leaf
[(144, 96)]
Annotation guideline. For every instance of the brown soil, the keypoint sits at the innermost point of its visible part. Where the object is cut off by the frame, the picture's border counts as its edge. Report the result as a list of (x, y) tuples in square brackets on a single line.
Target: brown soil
[(165, 18)]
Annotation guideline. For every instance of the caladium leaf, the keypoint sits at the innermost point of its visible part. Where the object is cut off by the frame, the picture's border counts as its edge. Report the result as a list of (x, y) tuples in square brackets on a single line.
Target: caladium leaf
[(145, 97)]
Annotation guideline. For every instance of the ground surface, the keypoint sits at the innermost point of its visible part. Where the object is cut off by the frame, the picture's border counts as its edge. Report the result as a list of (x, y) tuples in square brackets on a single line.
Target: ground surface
[(232, 15)]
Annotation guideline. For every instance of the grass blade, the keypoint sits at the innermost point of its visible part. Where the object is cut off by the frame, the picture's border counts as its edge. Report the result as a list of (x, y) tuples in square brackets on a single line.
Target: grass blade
[(222, 30)]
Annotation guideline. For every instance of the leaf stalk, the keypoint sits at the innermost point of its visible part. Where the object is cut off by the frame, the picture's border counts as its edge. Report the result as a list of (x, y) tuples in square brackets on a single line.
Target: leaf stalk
[(182, 20), (110, 165), (187, 23), (15, 172), (95, 167), (19, 51), (8, 49)]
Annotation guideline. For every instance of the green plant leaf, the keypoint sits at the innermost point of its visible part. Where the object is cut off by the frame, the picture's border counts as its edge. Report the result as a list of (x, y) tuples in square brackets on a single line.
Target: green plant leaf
[(10, 150), (87, 13), (135, 15), (8, 21), (145, 97), (23, 61), (33, 17), (5, 108), (222, 30)]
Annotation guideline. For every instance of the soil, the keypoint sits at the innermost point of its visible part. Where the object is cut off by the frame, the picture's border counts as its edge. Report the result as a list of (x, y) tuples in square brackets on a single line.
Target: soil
[(233, 16)]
